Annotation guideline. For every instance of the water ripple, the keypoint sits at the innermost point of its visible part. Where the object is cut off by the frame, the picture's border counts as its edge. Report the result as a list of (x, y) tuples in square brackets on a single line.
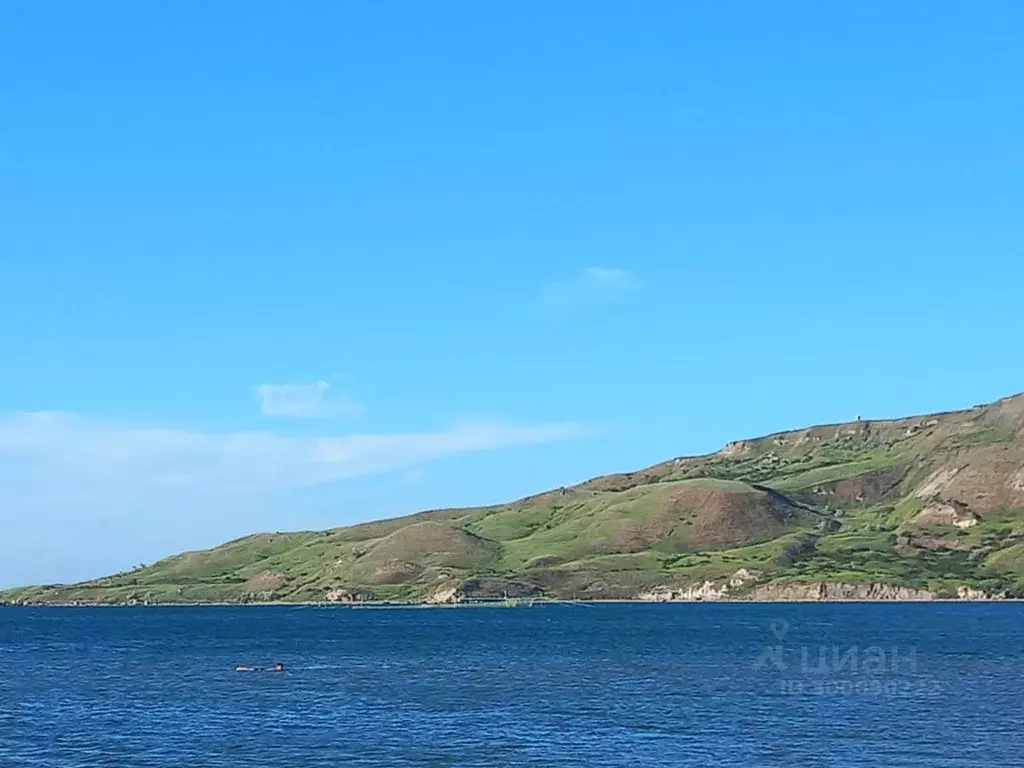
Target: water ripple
[(615, 685)]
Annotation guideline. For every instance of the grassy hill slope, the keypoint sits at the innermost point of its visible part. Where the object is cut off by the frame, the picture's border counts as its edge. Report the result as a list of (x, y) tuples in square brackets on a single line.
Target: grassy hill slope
[(928, 503)]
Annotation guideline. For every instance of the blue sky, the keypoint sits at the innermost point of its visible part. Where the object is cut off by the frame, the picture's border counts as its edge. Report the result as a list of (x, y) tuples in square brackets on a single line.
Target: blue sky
[(278, 266)]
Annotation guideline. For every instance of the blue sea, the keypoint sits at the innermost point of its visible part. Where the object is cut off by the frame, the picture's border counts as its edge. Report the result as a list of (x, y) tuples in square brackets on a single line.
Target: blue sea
[(839, 685)]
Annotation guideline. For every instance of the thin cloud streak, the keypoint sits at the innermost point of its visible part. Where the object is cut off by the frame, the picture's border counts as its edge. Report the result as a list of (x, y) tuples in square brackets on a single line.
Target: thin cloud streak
[(80, 497), (46, 448), (592, 285)]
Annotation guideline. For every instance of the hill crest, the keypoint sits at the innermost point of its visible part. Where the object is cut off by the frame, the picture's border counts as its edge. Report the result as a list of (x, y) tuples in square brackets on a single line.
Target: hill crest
[(858, 503)]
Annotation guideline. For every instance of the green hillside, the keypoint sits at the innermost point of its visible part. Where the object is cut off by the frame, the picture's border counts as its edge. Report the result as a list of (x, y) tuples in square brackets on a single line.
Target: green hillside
[(933, 504)]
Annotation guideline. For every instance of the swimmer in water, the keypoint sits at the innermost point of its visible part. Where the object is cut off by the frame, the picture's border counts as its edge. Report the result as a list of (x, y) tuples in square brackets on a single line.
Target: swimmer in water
[(247, 668)]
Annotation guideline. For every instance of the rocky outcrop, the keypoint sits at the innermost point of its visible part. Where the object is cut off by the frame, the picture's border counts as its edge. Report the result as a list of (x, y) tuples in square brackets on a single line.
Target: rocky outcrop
[(742, 577), (973, 593), (868, 591), (349, 596), (937, 482), (706, 591), (947, 513), (1016, 482), (940, 525), (814, 591), (737, 448), (830, 590), (444, 596), (694, 593)]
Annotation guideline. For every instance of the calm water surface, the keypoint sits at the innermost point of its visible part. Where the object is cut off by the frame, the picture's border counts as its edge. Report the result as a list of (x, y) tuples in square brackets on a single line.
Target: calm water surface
[(930, 686)]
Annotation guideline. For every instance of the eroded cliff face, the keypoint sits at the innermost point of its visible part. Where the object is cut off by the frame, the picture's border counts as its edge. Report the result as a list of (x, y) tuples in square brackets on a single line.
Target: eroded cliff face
[(804, 592), (724, 589), (830, 590), (348, 596), (973, 593), (446, 595), (708, 591)]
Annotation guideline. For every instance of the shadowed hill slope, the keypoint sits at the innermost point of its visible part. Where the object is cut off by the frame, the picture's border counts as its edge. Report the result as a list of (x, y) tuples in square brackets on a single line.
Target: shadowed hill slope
[(931, 505)]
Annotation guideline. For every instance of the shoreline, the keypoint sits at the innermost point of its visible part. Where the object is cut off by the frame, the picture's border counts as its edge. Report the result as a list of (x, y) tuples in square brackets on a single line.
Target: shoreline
[(500, 604)]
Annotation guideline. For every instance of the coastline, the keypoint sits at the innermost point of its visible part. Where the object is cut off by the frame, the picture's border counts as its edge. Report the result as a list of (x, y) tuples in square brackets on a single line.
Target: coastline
[(533, 604)]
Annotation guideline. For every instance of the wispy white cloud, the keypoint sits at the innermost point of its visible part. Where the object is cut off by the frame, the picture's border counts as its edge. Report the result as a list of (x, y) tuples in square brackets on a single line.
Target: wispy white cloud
[(81, 496), (318, 400), (591, 285), (75, 452)]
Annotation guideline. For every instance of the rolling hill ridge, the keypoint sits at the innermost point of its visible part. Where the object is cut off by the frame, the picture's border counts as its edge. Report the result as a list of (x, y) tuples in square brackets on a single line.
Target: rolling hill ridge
[(916, 508)]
